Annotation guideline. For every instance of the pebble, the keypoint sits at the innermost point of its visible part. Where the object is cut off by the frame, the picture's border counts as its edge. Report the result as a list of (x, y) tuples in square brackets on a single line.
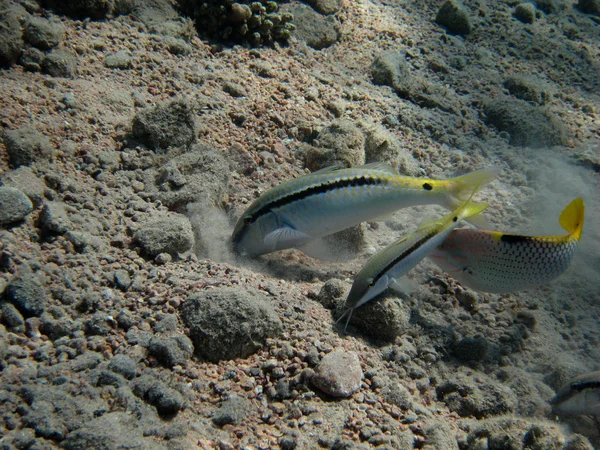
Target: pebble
[(27, 293), (14, 206), (339, 374)]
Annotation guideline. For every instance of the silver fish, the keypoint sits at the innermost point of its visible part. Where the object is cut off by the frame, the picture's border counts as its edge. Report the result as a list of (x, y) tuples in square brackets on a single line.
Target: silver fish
[(386, 267), (307, 208), (580, 396)]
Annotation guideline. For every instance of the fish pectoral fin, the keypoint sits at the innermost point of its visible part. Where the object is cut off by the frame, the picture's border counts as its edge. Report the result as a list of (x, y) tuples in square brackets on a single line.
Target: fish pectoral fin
[(402, 285), (287, 236)]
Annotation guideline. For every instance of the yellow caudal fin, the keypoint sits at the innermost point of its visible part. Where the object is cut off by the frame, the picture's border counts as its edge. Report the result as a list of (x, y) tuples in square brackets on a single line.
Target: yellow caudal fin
[(462, 188), (571, 219)]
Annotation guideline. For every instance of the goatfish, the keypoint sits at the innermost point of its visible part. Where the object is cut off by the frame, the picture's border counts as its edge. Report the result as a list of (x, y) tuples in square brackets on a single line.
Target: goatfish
[(579, 396), (491, 261), (387, 266), (305, 209)]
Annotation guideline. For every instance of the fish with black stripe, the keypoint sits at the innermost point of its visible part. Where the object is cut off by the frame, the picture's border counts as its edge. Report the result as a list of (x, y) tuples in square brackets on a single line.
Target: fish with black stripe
[(491, 261), (387, 267), (300, 211)]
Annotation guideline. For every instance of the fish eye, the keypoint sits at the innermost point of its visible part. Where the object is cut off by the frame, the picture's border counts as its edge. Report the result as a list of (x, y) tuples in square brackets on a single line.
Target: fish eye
[(454, 219), (371, 282), (248, 220)]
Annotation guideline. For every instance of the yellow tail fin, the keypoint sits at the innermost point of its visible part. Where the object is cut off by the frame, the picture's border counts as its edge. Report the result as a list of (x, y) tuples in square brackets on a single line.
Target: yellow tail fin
[(462, 188), (571, 219)]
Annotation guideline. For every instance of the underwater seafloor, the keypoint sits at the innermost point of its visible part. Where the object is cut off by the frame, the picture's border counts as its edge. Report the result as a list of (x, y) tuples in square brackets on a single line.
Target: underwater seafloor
[(126, 323)]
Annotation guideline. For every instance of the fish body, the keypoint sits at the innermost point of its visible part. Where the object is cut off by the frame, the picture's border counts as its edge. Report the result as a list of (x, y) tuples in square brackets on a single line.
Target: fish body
[(580, 396), (386, 267), (491, 261), (312, 206)]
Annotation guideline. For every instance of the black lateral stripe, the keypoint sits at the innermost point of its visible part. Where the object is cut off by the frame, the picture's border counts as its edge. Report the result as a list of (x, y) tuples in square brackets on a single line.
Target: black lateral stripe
[(316, 190), (582, 385), (514, 238), (404, 254)]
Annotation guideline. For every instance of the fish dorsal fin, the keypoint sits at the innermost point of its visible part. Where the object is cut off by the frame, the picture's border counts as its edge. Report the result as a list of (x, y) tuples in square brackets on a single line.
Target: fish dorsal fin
[(379, 167), (328, 169), (427, 222), (571, 219)]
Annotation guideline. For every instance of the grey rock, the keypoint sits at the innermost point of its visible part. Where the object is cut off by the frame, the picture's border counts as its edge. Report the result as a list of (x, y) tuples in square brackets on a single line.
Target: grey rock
[(548, 6), (26, 181), (397, 394), (95, 10), (481, 398), (589, 6), (384, 318), (43, 33), (27, 293), (98, 325), (326, 6), (11, 42), (339, 374), (171, 350), (32, 59), (86, 361), (119, 60), (439, 435), (229, 323), (333, 294), (232, 411), (122, 280), (11, 317), (24, 439), (525, 12), (165, 125), (527, 125), (171, 235), (454, 17), (14, 206), (383, 146), (123, 365), (528, 88), (108, 378), (54, 218), (390, 68), (114, 430), (475, 348), (60, 63), (53, 412), (166, 400), (317, 31), (85, 242), (207, 175), (340, 143), (26, 145), (167, 323), (177, 46)]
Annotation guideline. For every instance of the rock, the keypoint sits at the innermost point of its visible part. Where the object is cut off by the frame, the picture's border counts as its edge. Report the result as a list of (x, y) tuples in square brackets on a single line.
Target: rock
[(397, 394), (172, 350), (333, 294), (481, 398), (229, 323), (123, 365), (114, 430), (122, 280), (339, 374), (177, 46), (439, 435), (326, 6), (527, 125), (15, 206), (119, 60), (232, 411), (454, 17), (391, 69), (54, 218), (60, 63), (589, 6), (311, 27), (206, 179), (11, 317), (32, 59), (165, 125), (385, 318), (167, 324), (86, 361), (43, 33), (383, 146), (525, 12), (26, 145), (95, 10), (84, 242), (26, 181), (11, 41), (341, 143), (171, 235), (27, 293), (166, 400)]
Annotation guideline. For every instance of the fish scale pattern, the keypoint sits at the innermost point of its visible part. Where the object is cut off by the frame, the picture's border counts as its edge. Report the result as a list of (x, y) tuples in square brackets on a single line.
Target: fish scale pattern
[(505, 263)]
